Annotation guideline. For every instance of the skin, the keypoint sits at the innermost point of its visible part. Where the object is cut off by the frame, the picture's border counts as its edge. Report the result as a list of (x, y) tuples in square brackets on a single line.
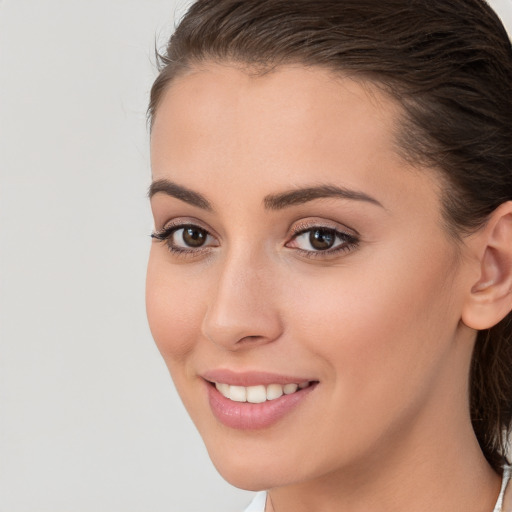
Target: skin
[(378, 324)]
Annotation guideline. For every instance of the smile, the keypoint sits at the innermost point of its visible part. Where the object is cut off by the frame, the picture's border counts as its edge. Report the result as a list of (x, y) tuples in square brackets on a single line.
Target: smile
[(258, 394), (254, 400)]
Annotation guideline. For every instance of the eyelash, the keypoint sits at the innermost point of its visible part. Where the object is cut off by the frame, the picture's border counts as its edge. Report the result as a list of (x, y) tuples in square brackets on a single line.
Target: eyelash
[(348, 241), (166, 234)]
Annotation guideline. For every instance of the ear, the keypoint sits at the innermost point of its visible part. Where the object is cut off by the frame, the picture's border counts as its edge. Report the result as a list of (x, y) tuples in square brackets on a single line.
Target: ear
[(490, 298)]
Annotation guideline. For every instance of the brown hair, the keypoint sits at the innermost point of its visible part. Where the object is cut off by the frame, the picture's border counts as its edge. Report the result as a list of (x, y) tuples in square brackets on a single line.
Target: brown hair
[(447, 62)]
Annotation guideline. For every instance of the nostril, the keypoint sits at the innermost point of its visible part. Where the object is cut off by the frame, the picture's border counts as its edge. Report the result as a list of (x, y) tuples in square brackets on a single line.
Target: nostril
[(241, 324), (250, 339)]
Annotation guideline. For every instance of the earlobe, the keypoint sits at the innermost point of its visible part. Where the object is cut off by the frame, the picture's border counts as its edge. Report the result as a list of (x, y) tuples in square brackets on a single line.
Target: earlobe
[(490, 298)]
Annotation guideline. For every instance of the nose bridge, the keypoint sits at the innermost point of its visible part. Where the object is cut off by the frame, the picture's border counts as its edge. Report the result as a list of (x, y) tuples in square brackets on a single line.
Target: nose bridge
[(242, 309)]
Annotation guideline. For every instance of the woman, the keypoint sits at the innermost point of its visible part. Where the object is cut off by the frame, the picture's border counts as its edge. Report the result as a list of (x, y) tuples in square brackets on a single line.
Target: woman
[(330, 282)]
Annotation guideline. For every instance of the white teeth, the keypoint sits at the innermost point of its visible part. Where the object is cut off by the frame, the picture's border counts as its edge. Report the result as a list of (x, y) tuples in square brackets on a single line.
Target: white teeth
[(238, 393), (274, 391), (258, 394), (222, 388), (290, 388)]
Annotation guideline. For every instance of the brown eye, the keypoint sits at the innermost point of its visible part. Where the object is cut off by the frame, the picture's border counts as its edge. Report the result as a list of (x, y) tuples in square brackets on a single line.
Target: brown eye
[(192, 236), (186, 239), (322, 239), (322, 242)]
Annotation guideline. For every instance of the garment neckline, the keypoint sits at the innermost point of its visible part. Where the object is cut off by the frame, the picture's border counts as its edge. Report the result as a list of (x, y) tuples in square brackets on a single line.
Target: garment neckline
[(505, 497)]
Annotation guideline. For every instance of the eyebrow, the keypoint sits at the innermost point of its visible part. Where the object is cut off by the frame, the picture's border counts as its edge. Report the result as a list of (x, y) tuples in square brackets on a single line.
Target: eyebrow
[(304, 195), (179, 192), (271, 202)]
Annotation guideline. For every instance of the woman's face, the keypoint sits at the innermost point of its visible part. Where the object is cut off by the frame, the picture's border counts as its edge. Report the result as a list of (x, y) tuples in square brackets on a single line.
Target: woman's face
[(295, 247)]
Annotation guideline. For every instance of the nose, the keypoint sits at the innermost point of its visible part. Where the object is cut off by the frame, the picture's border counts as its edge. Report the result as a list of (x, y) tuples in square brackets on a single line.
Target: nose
[(242, 311)]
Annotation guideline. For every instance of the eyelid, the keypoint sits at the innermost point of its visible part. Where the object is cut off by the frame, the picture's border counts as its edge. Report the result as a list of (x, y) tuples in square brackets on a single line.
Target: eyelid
[(181, 222), (349, 238), (166, 235), (186, 221), (306, 225)]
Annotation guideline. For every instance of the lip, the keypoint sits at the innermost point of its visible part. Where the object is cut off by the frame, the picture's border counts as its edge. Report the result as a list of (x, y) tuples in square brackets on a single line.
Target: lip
[(252, 378), (249, 416)]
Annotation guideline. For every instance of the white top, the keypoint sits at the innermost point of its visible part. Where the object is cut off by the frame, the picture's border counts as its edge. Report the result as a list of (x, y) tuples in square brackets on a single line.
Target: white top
[(504, 503), (258, 503)]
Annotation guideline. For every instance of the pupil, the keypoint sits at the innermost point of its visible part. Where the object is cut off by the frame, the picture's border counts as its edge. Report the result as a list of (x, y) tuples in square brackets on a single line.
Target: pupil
[(322, 239), (194, 237)]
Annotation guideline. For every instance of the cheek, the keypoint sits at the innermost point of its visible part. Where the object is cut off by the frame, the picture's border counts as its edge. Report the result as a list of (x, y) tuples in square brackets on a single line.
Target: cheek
[(174, 310), (373, 322)]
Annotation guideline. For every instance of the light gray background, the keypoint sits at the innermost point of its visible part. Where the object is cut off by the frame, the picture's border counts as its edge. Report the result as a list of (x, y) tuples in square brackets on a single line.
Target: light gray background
[(89, 421)]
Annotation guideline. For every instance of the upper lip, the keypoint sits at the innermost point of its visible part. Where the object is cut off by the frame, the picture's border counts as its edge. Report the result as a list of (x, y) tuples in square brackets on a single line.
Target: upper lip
[(250, 378)]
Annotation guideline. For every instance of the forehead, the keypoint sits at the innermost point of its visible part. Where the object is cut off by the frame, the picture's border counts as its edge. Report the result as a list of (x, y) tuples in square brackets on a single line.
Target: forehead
[(291, 126), (294, 102)]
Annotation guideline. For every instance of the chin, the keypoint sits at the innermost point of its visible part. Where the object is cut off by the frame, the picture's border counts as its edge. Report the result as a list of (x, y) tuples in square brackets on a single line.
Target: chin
[(250, 478), (254, 469), (248, 481)]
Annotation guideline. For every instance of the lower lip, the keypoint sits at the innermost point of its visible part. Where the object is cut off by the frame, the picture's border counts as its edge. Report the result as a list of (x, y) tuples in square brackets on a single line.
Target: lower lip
[(248, 416)]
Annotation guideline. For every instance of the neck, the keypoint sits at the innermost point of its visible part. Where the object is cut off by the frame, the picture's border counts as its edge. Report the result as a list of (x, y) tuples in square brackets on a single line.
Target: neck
[(444, 481), (436, 468)]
